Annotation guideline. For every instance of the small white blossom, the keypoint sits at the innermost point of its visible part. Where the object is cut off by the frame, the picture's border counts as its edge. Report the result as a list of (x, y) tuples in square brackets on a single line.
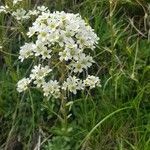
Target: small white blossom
[(33, 12), (22, 84), (20, 14), (42, 8), (72, 51), (26, 51), (92, 81), (64, 56), (86, 61), (32, 31), (39, 72), (51, 88), (81, 85), (71, 84), (16, 1), (78, 66), (3, 9), (39, 82), (42, 50), (82, 62)]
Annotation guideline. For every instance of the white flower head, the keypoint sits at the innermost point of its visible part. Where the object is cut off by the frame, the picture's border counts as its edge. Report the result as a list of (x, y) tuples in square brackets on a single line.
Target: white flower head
[(20, 14), (71, 84), (62, 41), (33, 12), (22, 84), (42, 8), (16, 1), (39, 72), (3, 9), (92, 81), (51, 88), (26, 51)]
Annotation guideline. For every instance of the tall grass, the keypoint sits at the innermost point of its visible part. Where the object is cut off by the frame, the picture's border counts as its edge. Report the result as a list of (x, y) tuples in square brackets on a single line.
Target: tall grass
[(114, 117)]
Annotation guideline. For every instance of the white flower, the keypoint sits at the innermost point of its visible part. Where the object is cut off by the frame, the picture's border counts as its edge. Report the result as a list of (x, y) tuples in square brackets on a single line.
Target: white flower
[(81, 85), (62, 41), (33, 12), (26, 51), (22, 84), (46, 54), (82, 62), (52, 24), (20, 14), (39, 72), (78, 66), (86, 61), (71, 84), (92, 81), (42, 8), (64, 55), (51, 88), (42, 50), (54, 37), (72, 51), (39, 82), (33, 29), (16, 1), (3, 9)]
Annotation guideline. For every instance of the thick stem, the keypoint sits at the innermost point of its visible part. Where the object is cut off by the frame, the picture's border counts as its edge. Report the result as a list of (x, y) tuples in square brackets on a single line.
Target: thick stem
[(63, 109)]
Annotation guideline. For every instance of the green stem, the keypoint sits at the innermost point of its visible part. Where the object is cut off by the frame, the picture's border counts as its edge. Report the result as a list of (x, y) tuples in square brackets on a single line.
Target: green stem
[(135, 58), (32, 106)]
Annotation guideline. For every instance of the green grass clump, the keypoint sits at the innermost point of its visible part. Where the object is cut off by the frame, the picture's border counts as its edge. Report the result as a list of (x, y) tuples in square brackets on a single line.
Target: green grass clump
[(113, 117)]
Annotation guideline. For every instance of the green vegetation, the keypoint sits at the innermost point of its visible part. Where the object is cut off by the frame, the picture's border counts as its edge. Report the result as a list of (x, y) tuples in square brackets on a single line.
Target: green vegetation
[(113, 117)]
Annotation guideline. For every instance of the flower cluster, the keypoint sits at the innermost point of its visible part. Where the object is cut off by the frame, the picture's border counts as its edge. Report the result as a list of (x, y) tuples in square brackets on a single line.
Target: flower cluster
[(16, 1), (22, 85), (3, 9), (21, 14), (62, 44)]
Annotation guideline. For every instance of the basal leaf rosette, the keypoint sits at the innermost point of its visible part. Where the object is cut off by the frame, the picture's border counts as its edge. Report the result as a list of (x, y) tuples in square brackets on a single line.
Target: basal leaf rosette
[(62, 46)]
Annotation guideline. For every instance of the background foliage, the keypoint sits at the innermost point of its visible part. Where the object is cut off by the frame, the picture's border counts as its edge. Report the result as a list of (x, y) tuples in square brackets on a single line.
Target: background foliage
[(114, 117)]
